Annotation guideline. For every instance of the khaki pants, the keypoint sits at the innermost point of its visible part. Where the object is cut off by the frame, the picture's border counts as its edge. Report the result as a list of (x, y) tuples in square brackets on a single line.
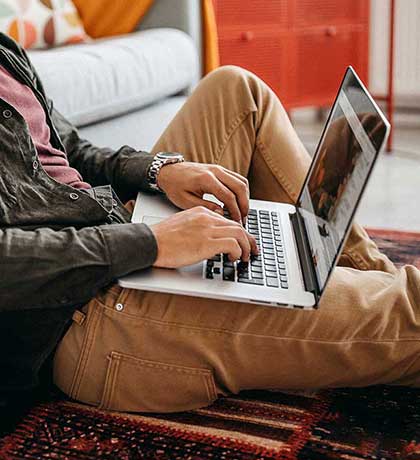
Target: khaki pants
[(140, 351)]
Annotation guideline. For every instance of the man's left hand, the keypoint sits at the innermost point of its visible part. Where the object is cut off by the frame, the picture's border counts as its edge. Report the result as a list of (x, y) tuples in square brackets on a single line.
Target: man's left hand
[(186, 183)]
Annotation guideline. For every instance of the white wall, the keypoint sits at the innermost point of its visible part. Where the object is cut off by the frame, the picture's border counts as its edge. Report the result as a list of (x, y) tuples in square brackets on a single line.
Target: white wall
[(407, 49)]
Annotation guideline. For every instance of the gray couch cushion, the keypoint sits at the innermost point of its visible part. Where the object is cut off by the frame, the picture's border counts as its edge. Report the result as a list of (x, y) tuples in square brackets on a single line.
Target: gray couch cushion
[(105, 78), (140, 129)]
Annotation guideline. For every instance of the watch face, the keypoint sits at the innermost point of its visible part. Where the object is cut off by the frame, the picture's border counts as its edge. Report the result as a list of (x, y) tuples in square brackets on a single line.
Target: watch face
[(168, 155)]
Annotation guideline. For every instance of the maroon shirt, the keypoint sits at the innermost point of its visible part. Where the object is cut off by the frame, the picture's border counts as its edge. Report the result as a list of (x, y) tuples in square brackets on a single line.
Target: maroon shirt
[(54, 161)]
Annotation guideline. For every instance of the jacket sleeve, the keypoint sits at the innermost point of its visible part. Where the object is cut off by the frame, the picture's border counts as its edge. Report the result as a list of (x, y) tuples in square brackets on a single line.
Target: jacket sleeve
[(47, 268), (125, 169)]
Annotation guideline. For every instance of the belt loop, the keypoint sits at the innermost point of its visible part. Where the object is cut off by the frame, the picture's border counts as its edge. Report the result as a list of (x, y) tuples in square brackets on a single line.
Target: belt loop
[(79, 317)]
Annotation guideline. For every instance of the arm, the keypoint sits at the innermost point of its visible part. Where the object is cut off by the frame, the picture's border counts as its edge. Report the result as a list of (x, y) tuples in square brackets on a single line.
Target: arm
[(45, 268)]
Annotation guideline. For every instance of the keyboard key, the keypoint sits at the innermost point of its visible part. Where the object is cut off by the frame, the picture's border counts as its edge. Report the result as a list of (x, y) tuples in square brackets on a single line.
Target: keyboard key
[(270, 263), (265, 227), (272, 282), (229, 274), (255, 282)]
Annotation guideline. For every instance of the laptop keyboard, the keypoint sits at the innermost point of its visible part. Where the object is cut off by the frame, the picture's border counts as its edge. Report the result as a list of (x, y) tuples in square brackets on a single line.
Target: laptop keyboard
[(266, 269)]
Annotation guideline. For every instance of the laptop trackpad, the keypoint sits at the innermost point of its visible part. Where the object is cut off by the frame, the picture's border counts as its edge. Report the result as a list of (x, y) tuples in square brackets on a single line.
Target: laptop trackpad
[(151, 220)]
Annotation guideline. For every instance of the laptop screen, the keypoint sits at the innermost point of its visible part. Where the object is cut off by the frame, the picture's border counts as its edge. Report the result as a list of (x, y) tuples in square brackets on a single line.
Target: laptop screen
[(352, 138)]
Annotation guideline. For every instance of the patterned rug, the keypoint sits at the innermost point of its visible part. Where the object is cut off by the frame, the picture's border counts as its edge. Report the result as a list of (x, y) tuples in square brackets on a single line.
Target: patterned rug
[(375, 423)]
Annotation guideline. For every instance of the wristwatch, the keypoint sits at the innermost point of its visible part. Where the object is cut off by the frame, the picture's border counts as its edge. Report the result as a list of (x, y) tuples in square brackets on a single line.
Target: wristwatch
[(160, 160)]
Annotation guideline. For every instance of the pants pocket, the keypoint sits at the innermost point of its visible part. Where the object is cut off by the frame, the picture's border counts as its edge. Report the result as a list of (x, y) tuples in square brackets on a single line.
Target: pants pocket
[(133, 384)]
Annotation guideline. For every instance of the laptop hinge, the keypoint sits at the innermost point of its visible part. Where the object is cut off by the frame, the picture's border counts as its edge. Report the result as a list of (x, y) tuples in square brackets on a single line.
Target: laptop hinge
[(304, 253)]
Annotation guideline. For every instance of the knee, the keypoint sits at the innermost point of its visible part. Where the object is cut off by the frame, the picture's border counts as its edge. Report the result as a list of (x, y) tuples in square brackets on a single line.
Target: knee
[(230, 74), (233, 83)]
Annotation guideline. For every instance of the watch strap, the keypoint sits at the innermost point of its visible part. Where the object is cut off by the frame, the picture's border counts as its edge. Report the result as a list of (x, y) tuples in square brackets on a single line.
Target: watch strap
[(155, 168)]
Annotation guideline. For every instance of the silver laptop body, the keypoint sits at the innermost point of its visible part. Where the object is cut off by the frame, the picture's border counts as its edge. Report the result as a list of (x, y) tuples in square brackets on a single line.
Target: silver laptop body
[(306, 239)]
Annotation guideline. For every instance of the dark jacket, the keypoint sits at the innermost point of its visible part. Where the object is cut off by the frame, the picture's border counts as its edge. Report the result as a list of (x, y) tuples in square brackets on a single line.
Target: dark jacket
[(58, 245)]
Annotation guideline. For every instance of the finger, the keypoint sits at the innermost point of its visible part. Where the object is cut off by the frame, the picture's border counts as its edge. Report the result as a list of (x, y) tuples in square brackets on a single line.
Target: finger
[(223, 194), (196, 201), (228, 246), (236, 174), (253, 243), (238, 187), (239, 234)]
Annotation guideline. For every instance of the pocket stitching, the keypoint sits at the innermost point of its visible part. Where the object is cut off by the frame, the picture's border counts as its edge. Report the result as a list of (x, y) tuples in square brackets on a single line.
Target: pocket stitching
[(116, 358), (159, 365), (109, 384)]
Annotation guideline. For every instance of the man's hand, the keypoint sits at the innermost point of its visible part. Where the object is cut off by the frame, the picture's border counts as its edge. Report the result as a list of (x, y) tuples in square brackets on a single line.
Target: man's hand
[(191, 236), (186, 183)]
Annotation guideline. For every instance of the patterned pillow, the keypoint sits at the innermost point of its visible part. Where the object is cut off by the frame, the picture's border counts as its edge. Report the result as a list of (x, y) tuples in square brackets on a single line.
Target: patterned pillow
[(41, 23)]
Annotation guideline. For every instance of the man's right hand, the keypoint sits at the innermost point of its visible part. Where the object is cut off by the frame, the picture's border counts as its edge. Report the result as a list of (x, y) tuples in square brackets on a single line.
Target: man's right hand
[(197, 234)]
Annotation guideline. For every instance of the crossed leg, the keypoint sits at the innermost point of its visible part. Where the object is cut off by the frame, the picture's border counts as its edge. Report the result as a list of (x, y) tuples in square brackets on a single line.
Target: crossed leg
[(140, 351)]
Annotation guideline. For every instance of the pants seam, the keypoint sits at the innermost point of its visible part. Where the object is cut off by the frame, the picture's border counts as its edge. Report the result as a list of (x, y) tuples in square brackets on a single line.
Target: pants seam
[(302, 339), (280, 177), (240, 118), (85, 353)]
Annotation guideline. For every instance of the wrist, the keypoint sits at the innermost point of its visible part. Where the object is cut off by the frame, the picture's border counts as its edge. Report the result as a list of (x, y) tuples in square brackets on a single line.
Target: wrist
[(165, 175), (160, 161)]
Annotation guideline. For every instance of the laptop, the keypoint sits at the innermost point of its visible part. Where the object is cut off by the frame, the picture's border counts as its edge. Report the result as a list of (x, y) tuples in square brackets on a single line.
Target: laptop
[(299, 244)]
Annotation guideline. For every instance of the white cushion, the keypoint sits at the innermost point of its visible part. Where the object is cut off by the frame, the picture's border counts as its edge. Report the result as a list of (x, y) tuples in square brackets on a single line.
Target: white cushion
[(102, 79), (140, 129)]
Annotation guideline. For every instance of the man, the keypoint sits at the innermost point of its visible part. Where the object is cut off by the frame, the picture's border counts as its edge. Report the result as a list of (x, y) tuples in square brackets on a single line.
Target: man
[(66, 237)]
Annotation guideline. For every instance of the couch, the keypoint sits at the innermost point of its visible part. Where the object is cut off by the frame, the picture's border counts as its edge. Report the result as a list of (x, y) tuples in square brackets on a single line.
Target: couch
[(126, 89)]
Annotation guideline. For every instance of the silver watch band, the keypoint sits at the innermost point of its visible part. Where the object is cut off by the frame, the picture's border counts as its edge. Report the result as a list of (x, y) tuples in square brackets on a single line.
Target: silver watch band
[(157, 164)]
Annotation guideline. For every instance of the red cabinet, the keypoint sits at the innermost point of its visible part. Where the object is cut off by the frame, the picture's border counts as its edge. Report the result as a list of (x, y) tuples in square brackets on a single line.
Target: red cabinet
[(299, 47)]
